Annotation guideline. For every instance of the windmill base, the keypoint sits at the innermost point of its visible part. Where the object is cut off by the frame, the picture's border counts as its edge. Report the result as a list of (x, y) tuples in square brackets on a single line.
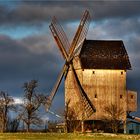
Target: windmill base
[(91, 126)]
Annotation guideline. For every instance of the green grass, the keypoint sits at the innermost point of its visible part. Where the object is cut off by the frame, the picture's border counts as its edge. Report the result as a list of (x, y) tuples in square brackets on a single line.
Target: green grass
[(62, 136)]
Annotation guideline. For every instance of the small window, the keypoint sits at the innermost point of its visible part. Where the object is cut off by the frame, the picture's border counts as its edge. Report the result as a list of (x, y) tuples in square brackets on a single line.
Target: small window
[(93, 72), (121, 72), (132, 96), (95, 96), (121, 96)]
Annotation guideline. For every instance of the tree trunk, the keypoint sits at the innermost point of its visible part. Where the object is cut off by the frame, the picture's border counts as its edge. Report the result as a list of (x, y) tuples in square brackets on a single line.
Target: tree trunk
[(28, 127)]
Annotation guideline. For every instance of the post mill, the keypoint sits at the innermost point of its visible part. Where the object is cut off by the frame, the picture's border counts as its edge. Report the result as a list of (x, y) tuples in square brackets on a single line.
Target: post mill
[(95, 75)]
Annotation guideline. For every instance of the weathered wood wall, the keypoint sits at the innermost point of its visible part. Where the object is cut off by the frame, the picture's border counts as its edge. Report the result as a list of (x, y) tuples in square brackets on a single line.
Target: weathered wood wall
[(131, 100), (103, 87)]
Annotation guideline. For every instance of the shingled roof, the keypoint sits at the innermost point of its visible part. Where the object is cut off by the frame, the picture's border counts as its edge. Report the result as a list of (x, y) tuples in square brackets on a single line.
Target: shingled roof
[(100, 54)]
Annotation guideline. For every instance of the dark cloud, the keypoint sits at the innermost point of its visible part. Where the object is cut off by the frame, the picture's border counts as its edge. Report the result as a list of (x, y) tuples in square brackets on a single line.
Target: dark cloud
[(38, 12), (18, 64), (36, 56)]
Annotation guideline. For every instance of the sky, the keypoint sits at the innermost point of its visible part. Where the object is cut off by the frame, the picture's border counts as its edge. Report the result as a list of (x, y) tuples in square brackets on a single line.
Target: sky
[(28, 50)]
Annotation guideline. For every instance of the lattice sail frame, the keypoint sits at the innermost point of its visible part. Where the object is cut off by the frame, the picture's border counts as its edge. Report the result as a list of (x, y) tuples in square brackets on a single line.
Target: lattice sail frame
[(67, 51)]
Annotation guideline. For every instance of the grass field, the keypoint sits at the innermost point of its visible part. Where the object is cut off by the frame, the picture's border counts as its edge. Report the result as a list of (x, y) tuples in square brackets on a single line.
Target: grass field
[(62, 136)]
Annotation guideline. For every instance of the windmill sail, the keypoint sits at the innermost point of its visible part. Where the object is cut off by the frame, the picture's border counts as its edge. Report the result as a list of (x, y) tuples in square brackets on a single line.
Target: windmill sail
[(81, 31), (58, 39), (61, 34), (56, 86), (88, 106), (68, 52)]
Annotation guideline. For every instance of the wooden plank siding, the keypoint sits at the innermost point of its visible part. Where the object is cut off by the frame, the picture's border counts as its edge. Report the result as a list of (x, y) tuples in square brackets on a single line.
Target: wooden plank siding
[(131, 100), (103, 87)]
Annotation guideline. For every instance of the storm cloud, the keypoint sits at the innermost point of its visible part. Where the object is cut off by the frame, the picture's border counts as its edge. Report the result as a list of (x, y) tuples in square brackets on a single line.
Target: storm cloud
[(27, 48), (18, 62), (37, 12)]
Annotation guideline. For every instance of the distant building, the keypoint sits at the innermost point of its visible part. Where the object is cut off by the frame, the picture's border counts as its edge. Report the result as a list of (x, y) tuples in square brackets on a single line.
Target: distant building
[(133, 127), (101, 67)]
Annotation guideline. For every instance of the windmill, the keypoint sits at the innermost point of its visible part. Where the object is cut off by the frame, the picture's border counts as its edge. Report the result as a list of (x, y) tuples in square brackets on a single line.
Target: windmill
[(68, 52)]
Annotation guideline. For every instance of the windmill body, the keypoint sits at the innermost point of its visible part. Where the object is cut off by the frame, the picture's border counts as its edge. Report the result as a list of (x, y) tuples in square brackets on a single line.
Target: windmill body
[(95, 74), (101, 67)]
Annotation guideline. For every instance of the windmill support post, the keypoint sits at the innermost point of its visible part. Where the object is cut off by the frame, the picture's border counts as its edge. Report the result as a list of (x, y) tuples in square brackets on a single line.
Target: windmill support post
[(82, 126)]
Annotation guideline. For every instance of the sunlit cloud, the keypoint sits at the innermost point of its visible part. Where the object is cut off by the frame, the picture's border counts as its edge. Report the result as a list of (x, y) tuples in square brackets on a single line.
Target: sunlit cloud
[(18, 100)]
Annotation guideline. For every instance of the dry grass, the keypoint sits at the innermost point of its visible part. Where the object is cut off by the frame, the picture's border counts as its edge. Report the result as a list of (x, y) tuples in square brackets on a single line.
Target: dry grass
[(62, 136)]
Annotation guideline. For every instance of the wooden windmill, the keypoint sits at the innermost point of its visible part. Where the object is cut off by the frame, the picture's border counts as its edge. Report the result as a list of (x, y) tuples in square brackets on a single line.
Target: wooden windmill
[(68, 52)]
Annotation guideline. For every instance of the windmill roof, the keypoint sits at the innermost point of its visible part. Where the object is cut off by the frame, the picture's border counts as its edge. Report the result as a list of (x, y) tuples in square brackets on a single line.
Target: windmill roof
[(101, 54)]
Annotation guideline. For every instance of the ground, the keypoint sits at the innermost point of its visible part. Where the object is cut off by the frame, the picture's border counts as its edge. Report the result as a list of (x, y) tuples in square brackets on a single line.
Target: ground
[(62, 136)]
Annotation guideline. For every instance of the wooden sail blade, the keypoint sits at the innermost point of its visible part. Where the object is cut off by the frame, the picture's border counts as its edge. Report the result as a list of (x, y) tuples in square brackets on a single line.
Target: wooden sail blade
[(56, 86), (62, 40), (77, 49), (68, 52), (61, 34), (58, 41), (88, 106), (81, 31)]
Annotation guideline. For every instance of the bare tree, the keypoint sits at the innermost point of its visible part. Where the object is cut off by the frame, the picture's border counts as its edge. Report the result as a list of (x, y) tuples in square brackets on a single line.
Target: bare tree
[(6, 104), (70, 115), (29, 112), (113, 116), (12, 125)]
